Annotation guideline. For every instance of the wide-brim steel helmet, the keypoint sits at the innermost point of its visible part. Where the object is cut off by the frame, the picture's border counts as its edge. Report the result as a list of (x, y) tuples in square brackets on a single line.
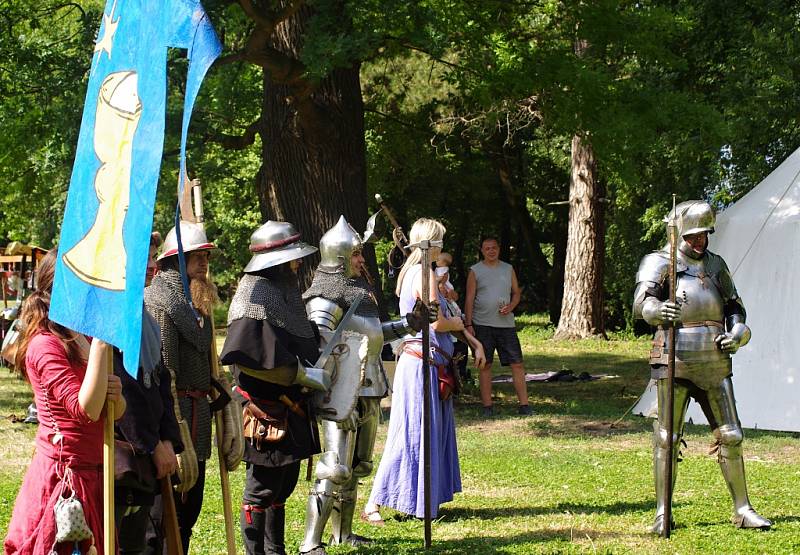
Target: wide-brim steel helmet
[(693, 216), (193, 238), (276, 243)]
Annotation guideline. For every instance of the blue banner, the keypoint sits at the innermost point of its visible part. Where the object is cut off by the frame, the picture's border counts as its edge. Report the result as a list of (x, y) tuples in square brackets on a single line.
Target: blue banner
[(105, 235)]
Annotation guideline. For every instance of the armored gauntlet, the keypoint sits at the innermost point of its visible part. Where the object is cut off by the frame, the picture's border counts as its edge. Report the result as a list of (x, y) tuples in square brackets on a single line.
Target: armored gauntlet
[(657, 313), (738, 336)]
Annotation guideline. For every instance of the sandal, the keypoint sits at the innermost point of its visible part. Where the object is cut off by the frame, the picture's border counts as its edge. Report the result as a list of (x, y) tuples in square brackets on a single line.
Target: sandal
[(372, 518)]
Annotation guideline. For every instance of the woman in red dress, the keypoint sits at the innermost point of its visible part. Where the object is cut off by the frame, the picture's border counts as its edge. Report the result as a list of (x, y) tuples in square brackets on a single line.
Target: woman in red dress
[(71, 386)]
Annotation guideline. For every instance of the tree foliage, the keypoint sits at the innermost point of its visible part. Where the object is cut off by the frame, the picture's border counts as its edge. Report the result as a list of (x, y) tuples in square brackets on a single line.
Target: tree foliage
[(469, 110), (43, 76)]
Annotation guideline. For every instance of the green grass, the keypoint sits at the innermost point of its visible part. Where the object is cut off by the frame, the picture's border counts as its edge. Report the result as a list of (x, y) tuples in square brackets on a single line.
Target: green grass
[(562, 481)]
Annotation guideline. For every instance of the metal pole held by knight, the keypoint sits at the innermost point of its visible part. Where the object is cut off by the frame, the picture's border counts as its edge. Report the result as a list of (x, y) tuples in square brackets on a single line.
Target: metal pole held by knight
[(670, 412)]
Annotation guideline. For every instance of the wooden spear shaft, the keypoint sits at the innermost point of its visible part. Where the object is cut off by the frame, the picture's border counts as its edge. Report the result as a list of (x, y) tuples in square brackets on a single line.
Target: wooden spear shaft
[(227, 506), (403, 240), (169, 518), (426, 390), (224, 479)]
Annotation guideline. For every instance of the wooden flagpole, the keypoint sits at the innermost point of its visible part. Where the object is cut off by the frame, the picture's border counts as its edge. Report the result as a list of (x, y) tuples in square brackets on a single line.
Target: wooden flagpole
[(109, 526), (224, 479)]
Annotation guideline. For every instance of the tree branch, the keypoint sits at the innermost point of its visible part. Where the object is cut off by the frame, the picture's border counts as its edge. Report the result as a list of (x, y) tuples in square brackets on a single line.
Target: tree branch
[(231, 58), (442, 61), (406, 124), (283, 68), (268, 22), (238, 142), (253, 14)]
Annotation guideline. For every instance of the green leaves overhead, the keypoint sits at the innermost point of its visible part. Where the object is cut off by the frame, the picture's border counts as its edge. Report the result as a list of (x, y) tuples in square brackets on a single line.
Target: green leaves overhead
[(696, 98), (42, 84)]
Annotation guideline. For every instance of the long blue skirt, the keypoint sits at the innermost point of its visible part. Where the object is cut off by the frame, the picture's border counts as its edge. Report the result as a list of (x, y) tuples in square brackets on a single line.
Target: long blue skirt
[(399, 481)]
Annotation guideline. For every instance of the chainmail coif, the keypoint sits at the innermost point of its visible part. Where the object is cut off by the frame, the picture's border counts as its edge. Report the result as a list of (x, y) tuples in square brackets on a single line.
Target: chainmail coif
[(276, 301), (343, 290)]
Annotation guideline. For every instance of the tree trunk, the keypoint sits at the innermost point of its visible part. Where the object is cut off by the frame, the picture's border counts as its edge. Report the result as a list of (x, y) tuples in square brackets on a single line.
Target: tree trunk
[(556, 281), (582, 305), (528, 237), (313, 148)]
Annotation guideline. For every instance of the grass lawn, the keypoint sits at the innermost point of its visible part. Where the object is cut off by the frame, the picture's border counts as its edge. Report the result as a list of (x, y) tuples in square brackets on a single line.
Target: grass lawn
[(561, 481)]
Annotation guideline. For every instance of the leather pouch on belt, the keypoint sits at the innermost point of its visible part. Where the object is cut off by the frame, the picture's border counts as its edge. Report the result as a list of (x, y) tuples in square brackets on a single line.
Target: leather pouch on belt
[(659, 345), (447, 382), (265, 423), (657, 351)]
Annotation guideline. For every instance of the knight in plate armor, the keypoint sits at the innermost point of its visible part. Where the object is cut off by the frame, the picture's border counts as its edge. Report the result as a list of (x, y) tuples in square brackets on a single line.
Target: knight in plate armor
[(710, 325), (347, 444)]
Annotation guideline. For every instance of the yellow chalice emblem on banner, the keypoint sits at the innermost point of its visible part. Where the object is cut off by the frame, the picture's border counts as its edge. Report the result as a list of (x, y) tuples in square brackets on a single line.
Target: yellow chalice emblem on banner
[(99, 258)]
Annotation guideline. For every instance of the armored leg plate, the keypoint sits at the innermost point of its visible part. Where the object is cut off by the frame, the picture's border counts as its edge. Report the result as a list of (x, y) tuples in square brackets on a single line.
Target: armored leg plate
[(318, 510)]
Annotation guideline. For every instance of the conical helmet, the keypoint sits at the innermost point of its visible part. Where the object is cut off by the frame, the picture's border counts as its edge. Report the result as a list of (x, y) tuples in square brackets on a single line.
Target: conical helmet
[(275, 243), (693, 216), (193, 238), (337, 246)]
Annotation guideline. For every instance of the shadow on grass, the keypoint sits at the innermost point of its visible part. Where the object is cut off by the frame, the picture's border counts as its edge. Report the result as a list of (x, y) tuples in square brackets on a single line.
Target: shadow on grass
[(549, 424), (485, 544), (609, 397), (491, 513), (600, 362), (15, 394)]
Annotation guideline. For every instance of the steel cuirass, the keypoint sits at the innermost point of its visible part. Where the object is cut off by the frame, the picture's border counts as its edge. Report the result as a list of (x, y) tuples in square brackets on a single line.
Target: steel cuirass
[(704, 290), (327, 314)]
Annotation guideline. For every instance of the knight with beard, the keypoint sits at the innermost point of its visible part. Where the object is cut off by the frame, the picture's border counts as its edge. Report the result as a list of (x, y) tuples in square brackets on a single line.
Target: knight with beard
[(186, 335), (348, 445), (268, 344)]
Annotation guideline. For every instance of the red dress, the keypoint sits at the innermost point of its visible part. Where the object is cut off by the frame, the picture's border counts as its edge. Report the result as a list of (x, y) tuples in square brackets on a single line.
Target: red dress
[(32, 528)]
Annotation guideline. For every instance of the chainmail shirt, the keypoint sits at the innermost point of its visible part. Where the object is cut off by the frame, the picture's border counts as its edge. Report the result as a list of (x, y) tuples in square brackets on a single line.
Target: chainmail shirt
[(185, 348)]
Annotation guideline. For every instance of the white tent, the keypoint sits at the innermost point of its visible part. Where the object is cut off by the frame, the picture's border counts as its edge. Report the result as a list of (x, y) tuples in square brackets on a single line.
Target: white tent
[(759, 238)]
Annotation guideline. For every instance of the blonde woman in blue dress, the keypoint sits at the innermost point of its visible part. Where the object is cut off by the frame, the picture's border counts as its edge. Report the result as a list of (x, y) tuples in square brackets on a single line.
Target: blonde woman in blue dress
[(399, 480)]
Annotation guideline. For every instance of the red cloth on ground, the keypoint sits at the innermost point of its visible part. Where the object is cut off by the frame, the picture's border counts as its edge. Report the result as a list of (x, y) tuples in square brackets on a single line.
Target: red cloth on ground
[(32, 528)]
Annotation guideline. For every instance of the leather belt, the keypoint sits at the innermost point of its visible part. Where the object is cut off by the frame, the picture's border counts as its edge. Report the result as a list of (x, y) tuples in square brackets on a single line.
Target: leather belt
[(418, 353), (283, 402), (699, 324)]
